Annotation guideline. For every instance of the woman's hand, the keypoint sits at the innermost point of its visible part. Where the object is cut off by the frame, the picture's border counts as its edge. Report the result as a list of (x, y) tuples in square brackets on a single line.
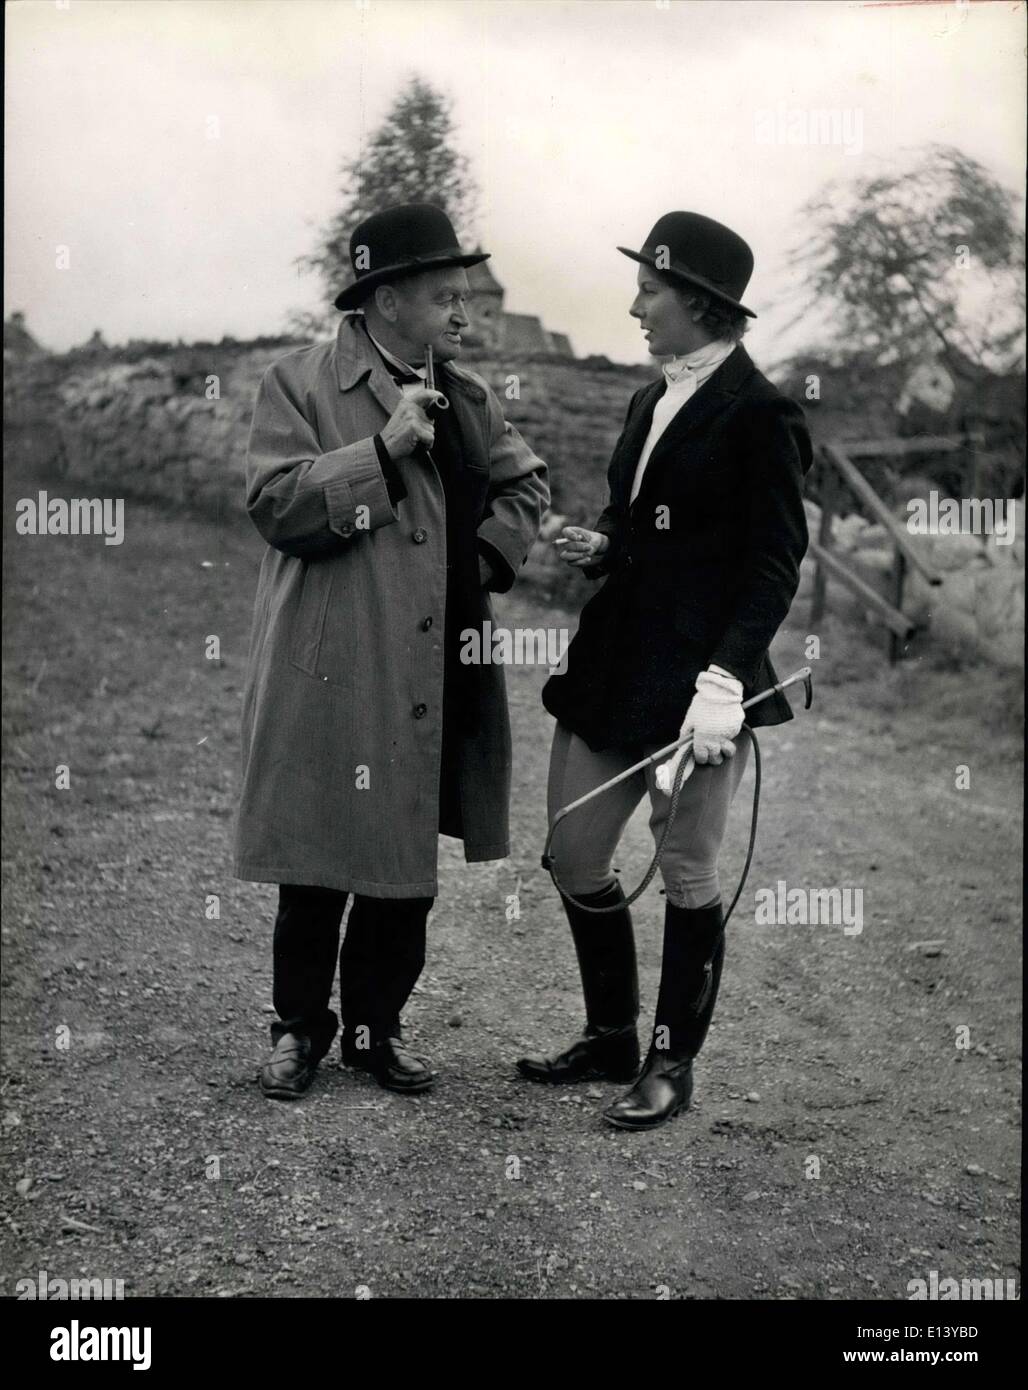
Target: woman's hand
[(714, 717), (581, 547)]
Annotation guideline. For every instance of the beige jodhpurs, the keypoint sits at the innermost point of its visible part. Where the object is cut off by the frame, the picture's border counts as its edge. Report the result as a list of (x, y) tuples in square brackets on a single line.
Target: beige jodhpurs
[(584, 843)]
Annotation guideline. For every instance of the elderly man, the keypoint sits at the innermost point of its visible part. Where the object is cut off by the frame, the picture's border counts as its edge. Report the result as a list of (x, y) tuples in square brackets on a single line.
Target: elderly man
[(390, 511)]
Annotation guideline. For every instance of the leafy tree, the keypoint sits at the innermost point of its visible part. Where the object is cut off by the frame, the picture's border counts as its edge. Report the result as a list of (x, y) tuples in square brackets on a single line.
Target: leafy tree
[(926, 259), (411, 158)]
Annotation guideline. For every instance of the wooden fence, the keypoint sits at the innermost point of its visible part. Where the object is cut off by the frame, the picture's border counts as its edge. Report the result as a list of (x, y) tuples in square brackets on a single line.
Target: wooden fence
[(838, 473)]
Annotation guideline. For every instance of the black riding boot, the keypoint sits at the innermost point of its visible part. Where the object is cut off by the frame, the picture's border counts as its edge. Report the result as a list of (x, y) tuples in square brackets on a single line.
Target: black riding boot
[(694, 952), (605, 946)]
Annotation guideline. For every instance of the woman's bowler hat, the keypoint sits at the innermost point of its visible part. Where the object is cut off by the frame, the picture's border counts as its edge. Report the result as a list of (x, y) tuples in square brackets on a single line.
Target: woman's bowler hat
[(401, 241), (702, 252)]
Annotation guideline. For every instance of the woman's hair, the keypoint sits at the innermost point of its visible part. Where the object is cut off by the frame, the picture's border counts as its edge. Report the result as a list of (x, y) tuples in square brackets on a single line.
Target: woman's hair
[(717, 317)]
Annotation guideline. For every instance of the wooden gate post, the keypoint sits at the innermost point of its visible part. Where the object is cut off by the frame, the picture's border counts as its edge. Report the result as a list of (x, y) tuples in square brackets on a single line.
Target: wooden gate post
[(824, 537), (897, 644)]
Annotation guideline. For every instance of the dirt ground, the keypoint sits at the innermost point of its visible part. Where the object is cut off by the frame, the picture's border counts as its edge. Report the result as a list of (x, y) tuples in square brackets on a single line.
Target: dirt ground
[(842, 1141)]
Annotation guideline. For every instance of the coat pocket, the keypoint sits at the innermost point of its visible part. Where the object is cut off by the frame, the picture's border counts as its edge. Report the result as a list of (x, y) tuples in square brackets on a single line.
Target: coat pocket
[(306, 649)]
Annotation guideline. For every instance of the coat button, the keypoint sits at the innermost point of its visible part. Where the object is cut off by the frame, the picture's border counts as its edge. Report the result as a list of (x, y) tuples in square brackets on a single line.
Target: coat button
[(426, 624), (419, 536), (419, 711), (346, 529)]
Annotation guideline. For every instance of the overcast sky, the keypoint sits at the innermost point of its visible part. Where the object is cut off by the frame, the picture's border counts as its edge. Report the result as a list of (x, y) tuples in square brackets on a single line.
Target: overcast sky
[(583, 121)]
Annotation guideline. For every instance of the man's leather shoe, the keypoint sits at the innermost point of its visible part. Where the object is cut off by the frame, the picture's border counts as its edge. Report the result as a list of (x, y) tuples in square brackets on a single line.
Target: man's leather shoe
[(663, 1089), (390, 1064), (605, 1053), (289, 1071)]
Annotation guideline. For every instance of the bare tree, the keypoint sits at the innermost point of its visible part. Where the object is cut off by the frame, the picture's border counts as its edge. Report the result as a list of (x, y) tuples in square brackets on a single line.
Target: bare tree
[(923, 259)]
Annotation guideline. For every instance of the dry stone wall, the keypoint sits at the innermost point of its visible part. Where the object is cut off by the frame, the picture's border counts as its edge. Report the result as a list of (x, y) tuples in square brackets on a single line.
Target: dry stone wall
[(173, 425), (170, 424)]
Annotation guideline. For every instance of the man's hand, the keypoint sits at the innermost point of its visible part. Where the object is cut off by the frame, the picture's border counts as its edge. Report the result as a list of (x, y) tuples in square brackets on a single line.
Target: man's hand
[(409, 426), (581, 547)]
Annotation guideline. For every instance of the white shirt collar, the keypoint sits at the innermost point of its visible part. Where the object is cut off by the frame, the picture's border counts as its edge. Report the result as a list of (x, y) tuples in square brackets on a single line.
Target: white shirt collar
[(392, 357), (697, 365)]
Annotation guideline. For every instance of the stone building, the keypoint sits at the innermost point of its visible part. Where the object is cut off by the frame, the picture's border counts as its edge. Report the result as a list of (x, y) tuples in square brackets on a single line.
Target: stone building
[(19, 344), (495, 330)]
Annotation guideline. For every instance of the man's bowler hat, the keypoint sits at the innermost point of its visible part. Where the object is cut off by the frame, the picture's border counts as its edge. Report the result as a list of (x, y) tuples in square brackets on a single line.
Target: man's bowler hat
[(701, 252), (398, 242)]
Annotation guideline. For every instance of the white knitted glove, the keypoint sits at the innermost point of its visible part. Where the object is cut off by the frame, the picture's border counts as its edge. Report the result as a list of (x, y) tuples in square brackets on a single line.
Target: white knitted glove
[(714, 717)]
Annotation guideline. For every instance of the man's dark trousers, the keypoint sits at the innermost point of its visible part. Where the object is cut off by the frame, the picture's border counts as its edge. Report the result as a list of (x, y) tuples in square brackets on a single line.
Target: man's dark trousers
[(383, 951), (382, 955)]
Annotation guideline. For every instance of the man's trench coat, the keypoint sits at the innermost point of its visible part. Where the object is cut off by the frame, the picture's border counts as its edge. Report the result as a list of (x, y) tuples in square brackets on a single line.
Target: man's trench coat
[(342, 709)]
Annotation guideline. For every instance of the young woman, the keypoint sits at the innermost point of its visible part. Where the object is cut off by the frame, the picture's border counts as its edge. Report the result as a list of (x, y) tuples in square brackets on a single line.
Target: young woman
[(700, 546)]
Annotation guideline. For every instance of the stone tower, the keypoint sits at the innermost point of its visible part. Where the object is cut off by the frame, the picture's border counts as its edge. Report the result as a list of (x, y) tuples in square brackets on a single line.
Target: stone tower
[(486, 331)]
